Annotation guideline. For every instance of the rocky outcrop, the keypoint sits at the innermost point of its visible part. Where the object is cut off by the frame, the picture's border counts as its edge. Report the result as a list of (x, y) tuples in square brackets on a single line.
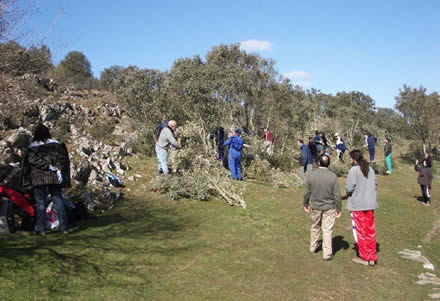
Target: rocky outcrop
[(69, 116)]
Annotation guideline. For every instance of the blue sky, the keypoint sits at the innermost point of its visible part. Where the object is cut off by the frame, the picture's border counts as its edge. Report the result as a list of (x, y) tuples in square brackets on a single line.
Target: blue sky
[(370, 46)]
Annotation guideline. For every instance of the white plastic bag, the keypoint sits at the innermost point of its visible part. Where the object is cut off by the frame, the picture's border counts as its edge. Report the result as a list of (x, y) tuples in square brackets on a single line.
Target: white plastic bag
[(52, 221)]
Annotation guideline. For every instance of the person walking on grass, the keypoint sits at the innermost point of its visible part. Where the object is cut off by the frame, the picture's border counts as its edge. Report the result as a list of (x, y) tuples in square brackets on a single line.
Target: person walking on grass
[(387, 149), (322, 188), (306, 159), (362, 201), (166, 140), (425, 179), (235, 147)]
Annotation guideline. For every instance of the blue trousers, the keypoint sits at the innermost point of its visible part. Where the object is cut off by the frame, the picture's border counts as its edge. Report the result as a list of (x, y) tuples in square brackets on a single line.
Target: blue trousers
[(372, 153), (234, 164), (41, 193)]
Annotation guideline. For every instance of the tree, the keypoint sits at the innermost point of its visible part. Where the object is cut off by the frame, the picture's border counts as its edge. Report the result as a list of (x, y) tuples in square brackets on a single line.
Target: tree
[(421, 112), (109, 76), (75, 68)]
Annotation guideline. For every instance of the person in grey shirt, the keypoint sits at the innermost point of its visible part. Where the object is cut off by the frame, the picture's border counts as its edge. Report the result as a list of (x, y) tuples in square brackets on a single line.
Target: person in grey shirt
[(322, 188), (362, 201), (165, 141)]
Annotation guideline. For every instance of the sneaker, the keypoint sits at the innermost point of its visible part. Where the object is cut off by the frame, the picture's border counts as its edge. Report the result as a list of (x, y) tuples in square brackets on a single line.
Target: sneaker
[(328, 258), (388, 172), (65, 232), (360, 261), (372, 263)]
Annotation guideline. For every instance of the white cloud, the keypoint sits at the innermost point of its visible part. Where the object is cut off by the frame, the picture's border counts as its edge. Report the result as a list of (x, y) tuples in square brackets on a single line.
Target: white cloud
[(256, 45), (297, 74), (302, 84)]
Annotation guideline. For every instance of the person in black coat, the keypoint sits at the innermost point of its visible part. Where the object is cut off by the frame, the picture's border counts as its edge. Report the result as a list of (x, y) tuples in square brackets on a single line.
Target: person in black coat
[(46, 168)]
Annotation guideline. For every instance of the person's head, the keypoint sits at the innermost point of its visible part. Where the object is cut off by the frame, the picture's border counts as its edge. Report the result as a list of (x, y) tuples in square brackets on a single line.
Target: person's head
[(321, 134), (299, 142), (324, 160), (366, 135), (41, 133), (427, 162), (237, 132), (386, 140), (172, 124), (336, 134), (357, 158), (266, 129)]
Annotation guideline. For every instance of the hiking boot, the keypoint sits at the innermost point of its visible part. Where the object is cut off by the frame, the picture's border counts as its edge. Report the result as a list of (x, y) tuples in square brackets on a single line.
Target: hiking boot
[(360, 261)]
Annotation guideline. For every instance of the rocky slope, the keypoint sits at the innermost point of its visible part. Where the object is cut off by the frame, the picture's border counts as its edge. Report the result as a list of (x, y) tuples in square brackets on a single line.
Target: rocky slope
[(91, 123)]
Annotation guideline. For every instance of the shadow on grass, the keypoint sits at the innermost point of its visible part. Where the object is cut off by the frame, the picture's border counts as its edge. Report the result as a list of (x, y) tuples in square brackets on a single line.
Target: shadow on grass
[(339, 243), (104, 249)]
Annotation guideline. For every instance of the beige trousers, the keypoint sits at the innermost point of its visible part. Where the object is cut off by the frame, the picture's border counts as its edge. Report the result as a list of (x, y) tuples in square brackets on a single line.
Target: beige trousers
[(326, 221)]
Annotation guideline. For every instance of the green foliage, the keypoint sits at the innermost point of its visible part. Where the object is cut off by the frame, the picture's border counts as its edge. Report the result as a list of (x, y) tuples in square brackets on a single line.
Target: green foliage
[(109, 76), (339, 168), (378, 168), (16, 60), (102, 129), (421, 112), (61, 130), (75, 69)]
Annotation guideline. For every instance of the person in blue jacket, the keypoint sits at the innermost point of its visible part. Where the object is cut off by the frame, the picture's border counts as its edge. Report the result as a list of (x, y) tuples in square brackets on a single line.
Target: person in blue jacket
[(306, 159), (370, 143), (235, 147)]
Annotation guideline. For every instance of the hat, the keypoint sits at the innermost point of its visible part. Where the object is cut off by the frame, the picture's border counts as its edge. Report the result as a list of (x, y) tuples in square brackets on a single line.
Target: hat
[(336, 134), (238, 131)]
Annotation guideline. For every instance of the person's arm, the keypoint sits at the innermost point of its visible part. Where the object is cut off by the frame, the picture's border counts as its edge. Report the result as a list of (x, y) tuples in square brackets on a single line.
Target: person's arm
[(350, 182), (173, 140), (227, 142), (417, 167), (306, 198), (304, 156), (337, 195)]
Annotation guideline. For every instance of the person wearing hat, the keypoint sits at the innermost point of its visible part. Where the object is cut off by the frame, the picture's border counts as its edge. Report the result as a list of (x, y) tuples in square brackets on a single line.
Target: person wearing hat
[(235, 147), (340, 147)]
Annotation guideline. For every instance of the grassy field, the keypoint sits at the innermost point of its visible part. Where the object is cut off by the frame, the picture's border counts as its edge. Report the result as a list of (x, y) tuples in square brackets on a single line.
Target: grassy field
[(152, 248)]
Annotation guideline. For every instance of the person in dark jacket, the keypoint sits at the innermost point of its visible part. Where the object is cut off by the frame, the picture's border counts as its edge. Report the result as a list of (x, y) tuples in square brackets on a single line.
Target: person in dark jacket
[(313, 149), (306, 159), (387, 149), (235, 147), (425, 179), (46, 168), (370, 143)]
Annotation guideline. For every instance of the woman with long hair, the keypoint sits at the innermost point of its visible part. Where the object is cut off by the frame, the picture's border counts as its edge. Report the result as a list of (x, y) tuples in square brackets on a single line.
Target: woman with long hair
[(362, 201), (46, 169)]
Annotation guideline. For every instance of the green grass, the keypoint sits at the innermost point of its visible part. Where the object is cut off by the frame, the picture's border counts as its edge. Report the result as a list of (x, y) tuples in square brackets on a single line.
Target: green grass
[(152, 248)]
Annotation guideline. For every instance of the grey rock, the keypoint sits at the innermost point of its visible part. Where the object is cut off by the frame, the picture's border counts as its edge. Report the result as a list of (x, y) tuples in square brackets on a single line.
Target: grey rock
[(20, 139)]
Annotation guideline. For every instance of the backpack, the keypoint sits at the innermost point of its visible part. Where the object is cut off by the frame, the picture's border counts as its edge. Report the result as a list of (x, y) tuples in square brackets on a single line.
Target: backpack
[(237, 144), (160, 127)]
